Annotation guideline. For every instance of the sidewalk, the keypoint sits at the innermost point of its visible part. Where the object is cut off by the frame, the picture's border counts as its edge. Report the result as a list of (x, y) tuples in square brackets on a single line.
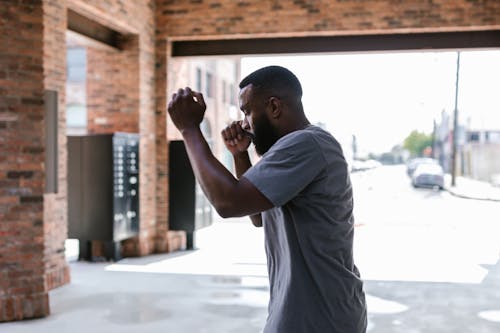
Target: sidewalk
[(222, 286), (473, 189)]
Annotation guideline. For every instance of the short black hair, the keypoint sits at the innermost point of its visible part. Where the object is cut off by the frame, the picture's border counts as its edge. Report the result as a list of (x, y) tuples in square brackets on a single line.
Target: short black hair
[(274, 80)]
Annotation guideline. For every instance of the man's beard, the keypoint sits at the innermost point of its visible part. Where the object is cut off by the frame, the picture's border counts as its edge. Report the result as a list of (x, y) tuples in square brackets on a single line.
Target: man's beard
[(265, 135)]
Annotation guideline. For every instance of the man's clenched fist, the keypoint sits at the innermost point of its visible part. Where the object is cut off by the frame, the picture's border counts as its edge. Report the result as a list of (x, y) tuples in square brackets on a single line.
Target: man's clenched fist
[(186, 108)]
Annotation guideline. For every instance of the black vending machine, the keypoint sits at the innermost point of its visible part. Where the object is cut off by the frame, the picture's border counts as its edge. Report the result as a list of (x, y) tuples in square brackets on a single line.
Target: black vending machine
[(189, 208), (103, 190)]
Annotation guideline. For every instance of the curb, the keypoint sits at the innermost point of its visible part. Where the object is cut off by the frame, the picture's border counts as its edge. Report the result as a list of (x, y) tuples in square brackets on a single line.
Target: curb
[(463, 196)]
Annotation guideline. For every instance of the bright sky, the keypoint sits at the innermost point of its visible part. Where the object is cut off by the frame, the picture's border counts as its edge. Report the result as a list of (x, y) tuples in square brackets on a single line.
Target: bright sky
[(381, 98)]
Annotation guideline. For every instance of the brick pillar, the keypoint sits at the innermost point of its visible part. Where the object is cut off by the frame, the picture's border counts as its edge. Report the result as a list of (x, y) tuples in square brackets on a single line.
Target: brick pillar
[(23, 291), (32, 223), (161, 148), (166, 240), (55, 218)]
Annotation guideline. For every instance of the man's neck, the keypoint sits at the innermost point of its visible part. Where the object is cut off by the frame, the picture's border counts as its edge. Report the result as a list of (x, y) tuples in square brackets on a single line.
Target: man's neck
[(300, 124)]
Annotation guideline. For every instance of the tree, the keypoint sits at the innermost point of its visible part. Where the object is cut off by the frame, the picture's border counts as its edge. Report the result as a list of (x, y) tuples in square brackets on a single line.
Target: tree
[(416, 142)]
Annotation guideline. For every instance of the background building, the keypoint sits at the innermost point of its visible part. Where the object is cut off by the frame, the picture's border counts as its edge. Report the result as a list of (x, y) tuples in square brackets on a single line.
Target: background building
[(477, 149), (480, 155), (218, 80)]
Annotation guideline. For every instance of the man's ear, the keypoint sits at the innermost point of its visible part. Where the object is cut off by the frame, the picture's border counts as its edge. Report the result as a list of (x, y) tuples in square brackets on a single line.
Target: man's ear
[(275, 107)]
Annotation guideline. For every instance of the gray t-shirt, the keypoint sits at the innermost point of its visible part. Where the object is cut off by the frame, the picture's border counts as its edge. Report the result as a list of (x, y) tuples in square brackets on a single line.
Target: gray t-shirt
[(315, 286)]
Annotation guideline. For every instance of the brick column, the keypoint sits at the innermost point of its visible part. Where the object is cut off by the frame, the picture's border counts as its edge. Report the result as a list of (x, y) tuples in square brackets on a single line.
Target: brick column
[(55, 204), (161, 148), (23, 289)]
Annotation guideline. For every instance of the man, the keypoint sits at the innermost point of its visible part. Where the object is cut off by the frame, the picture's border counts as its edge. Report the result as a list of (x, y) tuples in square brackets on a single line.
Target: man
[(299, 191)]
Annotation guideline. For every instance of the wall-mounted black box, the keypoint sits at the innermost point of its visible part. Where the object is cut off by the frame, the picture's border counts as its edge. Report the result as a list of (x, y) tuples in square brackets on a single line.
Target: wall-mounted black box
[(103, 190)]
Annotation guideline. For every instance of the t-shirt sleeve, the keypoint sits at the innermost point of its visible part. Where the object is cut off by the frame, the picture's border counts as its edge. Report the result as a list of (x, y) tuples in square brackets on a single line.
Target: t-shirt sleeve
[(287, 168)]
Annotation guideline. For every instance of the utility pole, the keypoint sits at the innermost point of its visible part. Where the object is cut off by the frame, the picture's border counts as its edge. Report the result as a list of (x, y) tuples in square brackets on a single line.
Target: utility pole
[(354, 147), (434, 134), (455, 128)]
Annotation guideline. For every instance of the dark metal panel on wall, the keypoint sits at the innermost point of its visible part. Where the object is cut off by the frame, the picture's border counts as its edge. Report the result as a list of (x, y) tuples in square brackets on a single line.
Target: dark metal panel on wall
[(189, 209), (75, 188), (51, 132), (344, 43), (97, 178)]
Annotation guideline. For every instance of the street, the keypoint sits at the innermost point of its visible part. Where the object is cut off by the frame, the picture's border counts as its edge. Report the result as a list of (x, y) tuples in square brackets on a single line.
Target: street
[(430, 262)]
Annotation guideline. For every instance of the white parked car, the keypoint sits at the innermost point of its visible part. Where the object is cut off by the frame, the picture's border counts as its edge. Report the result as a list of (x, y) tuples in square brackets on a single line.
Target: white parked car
[(428, 175), (412, 164)]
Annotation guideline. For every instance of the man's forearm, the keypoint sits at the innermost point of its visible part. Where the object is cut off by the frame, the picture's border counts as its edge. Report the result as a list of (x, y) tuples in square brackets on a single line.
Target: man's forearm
[(241, 164), (213, 177)]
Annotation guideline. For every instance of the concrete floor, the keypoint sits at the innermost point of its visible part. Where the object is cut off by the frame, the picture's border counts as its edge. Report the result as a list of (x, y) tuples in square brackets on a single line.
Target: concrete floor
[(221, 287)]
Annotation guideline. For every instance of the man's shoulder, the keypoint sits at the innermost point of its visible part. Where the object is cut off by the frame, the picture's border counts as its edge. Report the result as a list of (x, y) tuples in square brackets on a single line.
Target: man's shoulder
[(307, 136), (297, 142)]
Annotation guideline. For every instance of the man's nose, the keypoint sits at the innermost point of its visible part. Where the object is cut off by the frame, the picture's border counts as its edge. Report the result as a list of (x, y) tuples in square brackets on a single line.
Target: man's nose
[(245, 124)]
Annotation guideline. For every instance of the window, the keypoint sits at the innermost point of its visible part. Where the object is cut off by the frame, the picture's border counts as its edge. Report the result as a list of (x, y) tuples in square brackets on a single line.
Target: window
[(224, 92), (232, 94), (209, 83), (473, 136), (198, 79), (76, 116), (76, 94), (493, 137), (76, 64)]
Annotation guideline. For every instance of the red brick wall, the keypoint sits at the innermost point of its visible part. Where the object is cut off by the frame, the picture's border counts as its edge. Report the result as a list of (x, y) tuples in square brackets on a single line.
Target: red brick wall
[(23, 293), (113, 88), (206, 19)]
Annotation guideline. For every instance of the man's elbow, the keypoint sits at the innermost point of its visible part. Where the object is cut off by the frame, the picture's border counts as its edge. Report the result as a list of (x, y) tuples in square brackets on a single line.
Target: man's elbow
[(257, 223), (230, 210), (225, 211)]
